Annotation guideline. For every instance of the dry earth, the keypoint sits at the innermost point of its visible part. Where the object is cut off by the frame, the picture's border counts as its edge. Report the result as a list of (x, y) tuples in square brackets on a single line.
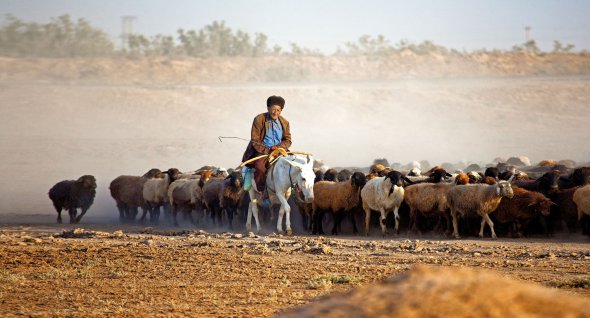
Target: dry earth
[(62, 271), (60, 119)]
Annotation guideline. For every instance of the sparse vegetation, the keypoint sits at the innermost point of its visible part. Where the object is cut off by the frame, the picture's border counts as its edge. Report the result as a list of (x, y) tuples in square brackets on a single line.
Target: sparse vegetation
[(581, 282), (325, 282), (62, 37), (9, 277)]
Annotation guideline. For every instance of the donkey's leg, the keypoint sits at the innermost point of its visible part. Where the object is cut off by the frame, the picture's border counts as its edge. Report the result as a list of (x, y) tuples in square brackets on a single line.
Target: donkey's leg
[(285, 209)]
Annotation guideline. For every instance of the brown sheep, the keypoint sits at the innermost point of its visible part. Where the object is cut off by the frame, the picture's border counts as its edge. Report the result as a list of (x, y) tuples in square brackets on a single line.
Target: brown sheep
[(480, 199), (231, 194), (428, 199), (547, 163), (73, 194), (338, 198), (211, 190), (564, 214), (522, 208), (461, 179), (128, 194)]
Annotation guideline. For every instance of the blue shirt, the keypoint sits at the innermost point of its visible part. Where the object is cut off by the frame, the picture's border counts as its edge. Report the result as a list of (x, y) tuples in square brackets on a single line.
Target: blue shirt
[(274, 133)]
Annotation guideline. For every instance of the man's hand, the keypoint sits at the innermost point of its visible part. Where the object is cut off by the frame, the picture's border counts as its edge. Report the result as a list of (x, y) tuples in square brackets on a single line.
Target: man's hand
[(273, 148)]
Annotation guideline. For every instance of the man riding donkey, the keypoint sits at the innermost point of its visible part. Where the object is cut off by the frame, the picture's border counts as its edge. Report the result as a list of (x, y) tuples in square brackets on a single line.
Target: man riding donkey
[(270, 131)]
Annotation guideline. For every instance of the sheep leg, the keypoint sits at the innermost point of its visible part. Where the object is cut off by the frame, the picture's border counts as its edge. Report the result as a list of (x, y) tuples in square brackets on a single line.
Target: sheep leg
[(355, 230), (79, 218), (73, 212), (455, 225), (167, 212), (145, 210), (448, 221), (396, 214), (189, 212), (133, 214), (174, 214), (412, 220), (230, 217), (317, 222), (490, 224), (59, 216), (337, 219), (155, 219), (121, 208), (382, 218), (367, 219)]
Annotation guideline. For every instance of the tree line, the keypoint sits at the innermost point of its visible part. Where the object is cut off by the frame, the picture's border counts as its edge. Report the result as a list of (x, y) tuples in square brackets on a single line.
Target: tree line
[(64, 37)]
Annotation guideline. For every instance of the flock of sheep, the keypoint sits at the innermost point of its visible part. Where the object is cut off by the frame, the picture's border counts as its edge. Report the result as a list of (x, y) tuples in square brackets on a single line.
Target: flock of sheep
[(520, 198)]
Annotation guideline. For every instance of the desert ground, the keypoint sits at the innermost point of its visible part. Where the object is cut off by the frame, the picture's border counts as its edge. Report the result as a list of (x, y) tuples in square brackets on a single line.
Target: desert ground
[(65, 271), (55, 128)]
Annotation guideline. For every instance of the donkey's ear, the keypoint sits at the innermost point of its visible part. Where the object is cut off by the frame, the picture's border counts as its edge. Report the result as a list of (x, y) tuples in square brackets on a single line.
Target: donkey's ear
[(295, 164)]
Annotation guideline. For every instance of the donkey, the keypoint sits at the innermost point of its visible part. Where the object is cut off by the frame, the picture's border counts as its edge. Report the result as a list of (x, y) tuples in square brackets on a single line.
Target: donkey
[(280, 179)]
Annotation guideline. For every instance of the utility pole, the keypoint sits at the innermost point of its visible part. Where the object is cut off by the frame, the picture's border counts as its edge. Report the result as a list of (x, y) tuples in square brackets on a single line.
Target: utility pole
[(126, 30), (527, 34)]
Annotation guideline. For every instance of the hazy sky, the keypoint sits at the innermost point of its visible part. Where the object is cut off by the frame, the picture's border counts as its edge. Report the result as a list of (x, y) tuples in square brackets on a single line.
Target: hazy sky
[(325, 25)]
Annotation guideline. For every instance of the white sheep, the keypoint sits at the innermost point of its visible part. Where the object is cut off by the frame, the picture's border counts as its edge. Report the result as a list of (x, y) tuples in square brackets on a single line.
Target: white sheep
[(187, 194), (383, 194), (155, 193), (482, 199)]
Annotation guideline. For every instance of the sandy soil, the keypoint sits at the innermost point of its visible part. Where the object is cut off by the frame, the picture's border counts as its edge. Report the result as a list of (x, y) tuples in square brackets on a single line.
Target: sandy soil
[(59, 271)]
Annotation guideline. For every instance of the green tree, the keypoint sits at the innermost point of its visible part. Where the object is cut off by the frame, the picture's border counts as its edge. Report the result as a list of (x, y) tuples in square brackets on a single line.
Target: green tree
[(559, 48)]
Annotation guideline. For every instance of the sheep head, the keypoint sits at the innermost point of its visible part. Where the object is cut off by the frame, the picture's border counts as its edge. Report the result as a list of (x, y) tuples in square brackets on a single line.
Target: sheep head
[(151, 173), (358, 179), (414, 172), (542, 206), (173, 173), (235, 179), (87, 181), (330, 174), (462, 179), (549, 181), (474, 177), (503, 188), (440, 175)]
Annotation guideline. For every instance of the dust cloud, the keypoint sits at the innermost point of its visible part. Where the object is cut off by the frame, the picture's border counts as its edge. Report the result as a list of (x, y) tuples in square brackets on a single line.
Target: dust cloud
[(53, 131)]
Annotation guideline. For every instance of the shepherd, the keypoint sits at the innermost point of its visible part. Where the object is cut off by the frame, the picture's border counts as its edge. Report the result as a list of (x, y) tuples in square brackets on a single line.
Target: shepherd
[(269, 131)]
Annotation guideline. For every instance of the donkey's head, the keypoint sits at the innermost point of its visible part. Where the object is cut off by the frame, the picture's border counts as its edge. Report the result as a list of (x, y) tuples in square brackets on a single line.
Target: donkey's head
[(302, 174)]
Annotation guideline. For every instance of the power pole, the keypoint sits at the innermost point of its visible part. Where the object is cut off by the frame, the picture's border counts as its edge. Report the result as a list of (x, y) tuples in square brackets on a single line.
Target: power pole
[(527, 34), (126, 30)]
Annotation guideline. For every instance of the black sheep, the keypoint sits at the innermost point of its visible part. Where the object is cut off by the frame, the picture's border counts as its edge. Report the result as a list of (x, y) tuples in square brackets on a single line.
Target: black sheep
[(73, 194)]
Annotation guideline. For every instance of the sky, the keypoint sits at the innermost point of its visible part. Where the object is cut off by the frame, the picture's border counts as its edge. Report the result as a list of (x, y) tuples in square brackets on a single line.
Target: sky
[(326, 25)]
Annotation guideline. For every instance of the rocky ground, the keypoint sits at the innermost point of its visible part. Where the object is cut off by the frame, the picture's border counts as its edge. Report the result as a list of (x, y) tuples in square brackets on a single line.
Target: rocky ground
[(59, 271)]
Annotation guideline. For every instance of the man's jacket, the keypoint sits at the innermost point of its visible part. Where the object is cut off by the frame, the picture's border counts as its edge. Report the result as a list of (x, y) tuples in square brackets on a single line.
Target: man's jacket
[(260, 126)]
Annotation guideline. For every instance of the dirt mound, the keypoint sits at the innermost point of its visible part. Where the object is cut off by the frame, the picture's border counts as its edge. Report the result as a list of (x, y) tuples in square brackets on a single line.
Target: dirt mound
[(447, 292), (152, 70)]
